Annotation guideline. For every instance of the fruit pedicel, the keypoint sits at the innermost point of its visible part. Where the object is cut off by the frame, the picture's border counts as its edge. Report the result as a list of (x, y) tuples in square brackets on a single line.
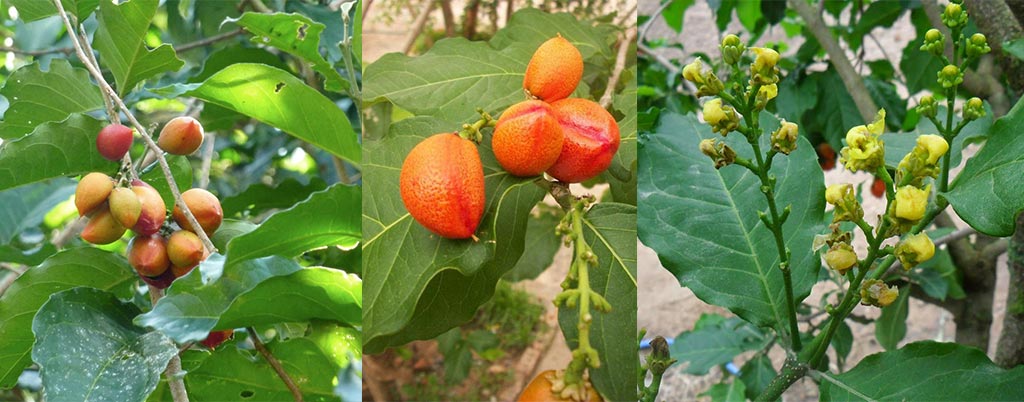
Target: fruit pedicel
[(571, 139)]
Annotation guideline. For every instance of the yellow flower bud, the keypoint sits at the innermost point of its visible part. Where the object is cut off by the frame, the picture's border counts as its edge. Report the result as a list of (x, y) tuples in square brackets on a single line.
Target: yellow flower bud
[(841, 257), (713, 113), (692, 72), (784, 139), (911, 203), (935, 145), (766, 58), (914, 250), (864, 150), (874, 292), (834, 194)]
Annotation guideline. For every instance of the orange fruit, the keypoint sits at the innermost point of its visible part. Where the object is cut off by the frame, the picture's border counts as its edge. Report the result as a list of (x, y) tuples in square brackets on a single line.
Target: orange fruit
[(204, 206), (92, 191), (554, 70), (153, 212), (148, 255), (591, 140), (102, 228), (539, 390), (181, 136), (442, 185), (527, 139)]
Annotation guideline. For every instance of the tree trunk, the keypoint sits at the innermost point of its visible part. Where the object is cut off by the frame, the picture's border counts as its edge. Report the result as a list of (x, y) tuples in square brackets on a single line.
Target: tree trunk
[(995, 19), (472, 11), (449, 18), (1010, 350)]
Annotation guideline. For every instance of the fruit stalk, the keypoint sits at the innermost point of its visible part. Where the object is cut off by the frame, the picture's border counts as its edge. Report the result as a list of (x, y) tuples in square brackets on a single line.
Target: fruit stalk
[(174, 381), (105, 87)]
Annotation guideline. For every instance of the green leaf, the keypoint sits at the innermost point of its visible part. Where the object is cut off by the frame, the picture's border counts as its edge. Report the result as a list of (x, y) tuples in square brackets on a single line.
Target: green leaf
[(842, 341), (341, 344), (449, 81), (610, 230), (878, 14), (294, 34), (756, 374), (89, 350), (773, 10), (421, 285), (986, 193), (24, 207), (260, 197), (926, 371), (230, 229), (54, 149), (885, 96), (674, 13), (529, 27), (277, 98), (920, 67), (621, 174), (939, 277), (891, 326), (1014, 48), (27, 257), (715, 340), (38, 96), (181, 170), (313, 293), (542, 242), (231, 374), (194, 303), (224, 58), (90, 267), (704, 225), (32, 10), (731, 392), (326, 218), (120, 41), (836, 111)]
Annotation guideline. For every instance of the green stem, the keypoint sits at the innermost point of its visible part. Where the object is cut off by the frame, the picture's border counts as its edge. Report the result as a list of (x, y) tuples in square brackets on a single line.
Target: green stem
[(584, 355), (354, 92)]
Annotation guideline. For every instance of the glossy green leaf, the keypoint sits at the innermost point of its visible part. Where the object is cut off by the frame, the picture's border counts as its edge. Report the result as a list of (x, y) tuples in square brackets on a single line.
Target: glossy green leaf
[(54, 149), (986, 194), (734, 391), (621, 175), (90, 267), (919, 67), (715, 340), (704, 224), (610, 230), (194, 303), (313, 293), (418, 285), (231, 374), (529, 27), (88, 348), (891, 326), (24, 207), (542, 242), (32, 10), (223, 58), (926, 371), (294, 34), (38, 96), (35, 256), (277, 98), (120, 41), (260, 197), (326, 218)]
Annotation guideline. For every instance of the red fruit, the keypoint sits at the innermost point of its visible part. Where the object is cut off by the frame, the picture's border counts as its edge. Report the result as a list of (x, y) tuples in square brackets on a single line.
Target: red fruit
[(442, 185), (185, 249), (162, 281), (92, 191), (148, 255), (153, 212), (114, 141), (878, 188), (554, 70), (826, 156), (181, 136), (527, 139), (204, 206), (102, 228), (591, 140), (216, 338), (540, 390)]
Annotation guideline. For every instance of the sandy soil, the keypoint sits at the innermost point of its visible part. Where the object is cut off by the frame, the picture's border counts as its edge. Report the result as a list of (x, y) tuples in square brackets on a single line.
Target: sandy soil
[(667, 309)]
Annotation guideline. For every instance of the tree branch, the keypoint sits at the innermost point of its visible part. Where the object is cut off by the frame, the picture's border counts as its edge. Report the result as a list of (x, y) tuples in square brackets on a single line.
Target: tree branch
[(173, 371), (620, 64), (837, 57), (207, 41), (278, 368)]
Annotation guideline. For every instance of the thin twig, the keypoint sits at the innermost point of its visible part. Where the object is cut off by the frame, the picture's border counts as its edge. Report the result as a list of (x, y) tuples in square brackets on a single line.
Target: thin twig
[(627, 16), (207, 162), (278, 368), (620, 64), (213, 39), (69, 232), (102, 82), (421, 20), (8, 49), (174, 382), (339, 167), (654, 17), (672, 68)]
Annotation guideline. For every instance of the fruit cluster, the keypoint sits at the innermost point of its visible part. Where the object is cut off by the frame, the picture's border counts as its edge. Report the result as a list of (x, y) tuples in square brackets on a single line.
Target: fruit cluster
[(570, 139), (159, 252)]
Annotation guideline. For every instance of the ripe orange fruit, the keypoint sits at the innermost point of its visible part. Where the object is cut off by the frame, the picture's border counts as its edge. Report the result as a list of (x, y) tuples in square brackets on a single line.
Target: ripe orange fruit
[(539, 390), (125, 206), (148, 255), (554, 70), (153, 212), (204, 206), (591, 140), (92, 191), (102, 228), (185, 249), (442, 185), (181, 136), (527, 139)]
